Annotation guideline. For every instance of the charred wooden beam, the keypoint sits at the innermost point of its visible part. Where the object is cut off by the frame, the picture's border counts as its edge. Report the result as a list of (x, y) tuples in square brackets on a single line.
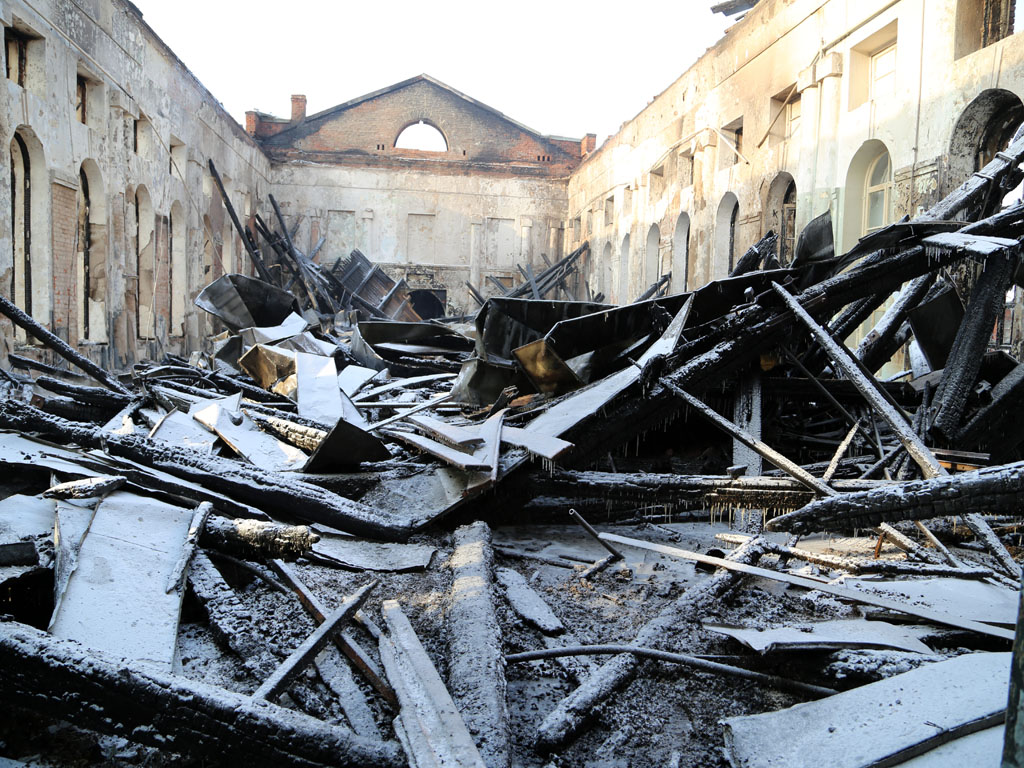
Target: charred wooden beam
[(58, 345), (257, 260), (868, 387), (91, 395), (476, 669), (429, 726), (245, 483), (885, 338), (257, 538), (971, 342), (302, 656), (997, 490), (62, 679)]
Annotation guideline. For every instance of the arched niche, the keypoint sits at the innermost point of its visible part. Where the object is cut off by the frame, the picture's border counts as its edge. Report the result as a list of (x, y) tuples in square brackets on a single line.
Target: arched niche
[(681, 253), (91, 258), (30, 235), (780, 214), (725, 232), (984, 127)]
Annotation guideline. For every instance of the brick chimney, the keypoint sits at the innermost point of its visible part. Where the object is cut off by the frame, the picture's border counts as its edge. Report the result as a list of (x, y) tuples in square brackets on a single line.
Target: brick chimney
[(250, 123), (298, 108), (588, 145)]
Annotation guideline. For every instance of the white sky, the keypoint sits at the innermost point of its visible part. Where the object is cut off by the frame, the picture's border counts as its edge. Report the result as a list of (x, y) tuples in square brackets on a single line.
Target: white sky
[(562, 68)]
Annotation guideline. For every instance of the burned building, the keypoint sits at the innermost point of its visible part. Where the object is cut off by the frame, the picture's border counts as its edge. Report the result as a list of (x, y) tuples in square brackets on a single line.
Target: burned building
[(110, 230), (490, 194), (286, 521)]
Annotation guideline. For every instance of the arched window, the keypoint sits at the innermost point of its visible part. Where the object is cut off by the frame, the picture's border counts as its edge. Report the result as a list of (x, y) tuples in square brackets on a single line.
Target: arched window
[(877, 195), (780, 215), (680, 253), (422, 136), (652, 256), (179, 278), (92, 254), (29, 187), (984, 127), (21, 220), (725, 231), (145, 263), (868, 200)]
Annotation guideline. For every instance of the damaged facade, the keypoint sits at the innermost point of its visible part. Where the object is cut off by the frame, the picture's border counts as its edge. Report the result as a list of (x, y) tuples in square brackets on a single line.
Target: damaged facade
[(803, 107)]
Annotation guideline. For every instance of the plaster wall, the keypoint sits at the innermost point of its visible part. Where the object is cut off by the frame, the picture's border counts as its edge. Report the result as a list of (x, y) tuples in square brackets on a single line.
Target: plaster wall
[(131, 76), (672, 162)]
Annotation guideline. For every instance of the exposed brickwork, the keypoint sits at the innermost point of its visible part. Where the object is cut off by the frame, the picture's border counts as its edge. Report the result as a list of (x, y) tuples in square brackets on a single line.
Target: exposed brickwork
[(162, 287), (298, 108), (364, 132), (65, 272)]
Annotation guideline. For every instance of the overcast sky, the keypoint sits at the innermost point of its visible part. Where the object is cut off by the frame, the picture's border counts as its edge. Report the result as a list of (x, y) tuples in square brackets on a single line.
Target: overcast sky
[(561, 68)]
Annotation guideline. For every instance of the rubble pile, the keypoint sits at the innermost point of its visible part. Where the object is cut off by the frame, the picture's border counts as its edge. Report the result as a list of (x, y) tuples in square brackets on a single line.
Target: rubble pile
[(345, 536)]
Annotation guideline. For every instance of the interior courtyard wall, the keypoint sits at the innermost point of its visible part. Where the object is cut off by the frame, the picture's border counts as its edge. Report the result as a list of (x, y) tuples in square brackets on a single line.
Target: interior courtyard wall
[(140, 102)]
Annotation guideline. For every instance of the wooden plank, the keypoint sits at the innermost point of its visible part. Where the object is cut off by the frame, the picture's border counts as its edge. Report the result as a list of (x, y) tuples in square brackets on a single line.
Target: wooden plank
[(927, 614), (548, 446), (458, 459), (433, 730), (115, 599)]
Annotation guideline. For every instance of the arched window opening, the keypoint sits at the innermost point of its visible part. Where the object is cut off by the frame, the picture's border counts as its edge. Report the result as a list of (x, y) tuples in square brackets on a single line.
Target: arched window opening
[(421, 136), (869, 207), (877, 195), (623, 293), (91, 255), (145, 262), (652, 256), (985, 127), (680, 253), (30, 257), (868, 196), (21, 221), (780, 215), (428, 304), (725, 231), (179, 277)]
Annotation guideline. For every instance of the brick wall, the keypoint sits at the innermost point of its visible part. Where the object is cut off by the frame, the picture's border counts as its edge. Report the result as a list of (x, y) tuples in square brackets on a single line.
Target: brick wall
[(474, 134), (65, 270), (162, 287)]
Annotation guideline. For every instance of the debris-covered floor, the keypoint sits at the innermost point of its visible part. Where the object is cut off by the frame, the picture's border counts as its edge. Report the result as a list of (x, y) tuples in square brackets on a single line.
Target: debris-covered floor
[(691, 530)]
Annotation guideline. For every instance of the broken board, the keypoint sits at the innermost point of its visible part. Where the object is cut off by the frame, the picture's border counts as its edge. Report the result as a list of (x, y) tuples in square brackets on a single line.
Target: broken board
[(115, 600), (864, 725)]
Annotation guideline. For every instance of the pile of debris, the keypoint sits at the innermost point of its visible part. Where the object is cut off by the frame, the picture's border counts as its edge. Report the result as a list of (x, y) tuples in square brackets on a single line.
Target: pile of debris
[(343, 512)]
